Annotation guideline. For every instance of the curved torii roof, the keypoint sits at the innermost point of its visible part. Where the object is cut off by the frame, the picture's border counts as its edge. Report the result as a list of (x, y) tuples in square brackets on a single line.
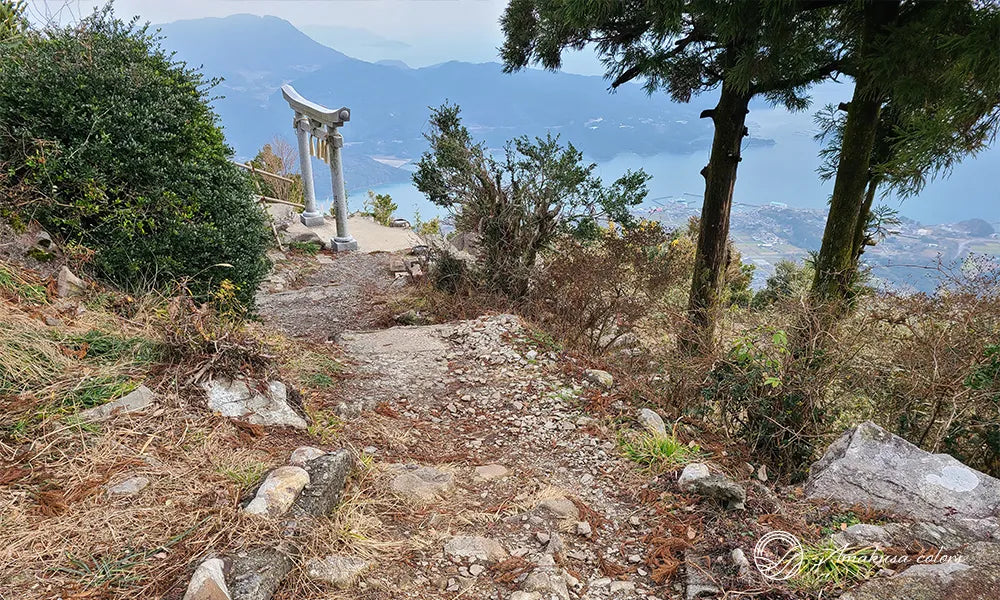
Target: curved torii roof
[(327, 116)]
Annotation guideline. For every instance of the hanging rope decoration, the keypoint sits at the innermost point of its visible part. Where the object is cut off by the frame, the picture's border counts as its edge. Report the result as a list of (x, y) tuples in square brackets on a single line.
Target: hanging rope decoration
[(319, 148)]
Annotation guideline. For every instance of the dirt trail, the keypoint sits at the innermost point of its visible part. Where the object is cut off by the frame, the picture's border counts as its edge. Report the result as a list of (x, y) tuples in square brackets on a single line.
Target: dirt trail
[(499, 486)]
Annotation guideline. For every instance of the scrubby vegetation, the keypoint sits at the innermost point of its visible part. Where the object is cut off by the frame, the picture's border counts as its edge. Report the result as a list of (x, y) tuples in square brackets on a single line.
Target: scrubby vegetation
[(110, 143), (380, 207), (784, 379), (519, 202)]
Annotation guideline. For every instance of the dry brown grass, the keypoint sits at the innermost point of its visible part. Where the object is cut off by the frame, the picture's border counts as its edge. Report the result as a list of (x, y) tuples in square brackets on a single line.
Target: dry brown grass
[(61, 533)]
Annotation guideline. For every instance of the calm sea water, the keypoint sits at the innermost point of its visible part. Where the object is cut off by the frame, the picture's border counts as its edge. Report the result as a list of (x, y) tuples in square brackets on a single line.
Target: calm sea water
[(784, 172)]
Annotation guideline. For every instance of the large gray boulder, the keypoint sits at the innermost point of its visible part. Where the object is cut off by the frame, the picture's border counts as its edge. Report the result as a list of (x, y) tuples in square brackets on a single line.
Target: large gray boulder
[(872, 467), (974, 574)]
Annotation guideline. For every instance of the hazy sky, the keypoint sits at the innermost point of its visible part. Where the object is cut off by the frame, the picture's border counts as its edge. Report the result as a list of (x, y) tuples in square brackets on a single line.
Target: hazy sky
[(471, 22), (435, 30)]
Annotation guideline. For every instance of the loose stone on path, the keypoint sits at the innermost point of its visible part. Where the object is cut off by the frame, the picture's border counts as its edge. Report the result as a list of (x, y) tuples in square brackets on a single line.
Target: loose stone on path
[(421, 484), (474, 548), (337, 570), (488, 472), (279, 491)]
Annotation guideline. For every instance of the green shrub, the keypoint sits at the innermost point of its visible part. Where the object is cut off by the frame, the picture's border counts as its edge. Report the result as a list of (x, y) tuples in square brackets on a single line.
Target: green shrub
[(112, 144), (518, 201), (12, 21), (765, 397), (790, 280), (380, 207)]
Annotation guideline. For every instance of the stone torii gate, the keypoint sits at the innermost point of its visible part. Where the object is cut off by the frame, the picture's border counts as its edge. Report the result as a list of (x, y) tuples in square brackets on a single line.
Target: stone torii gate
[(316, 128)]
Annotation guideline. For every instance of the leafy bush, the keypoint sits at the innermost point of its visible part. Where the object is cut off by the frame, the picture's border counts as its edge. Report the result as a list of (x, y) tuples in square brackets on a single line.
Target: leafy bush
[(763, 396), (935, 376), (790, 280), (380, 207), (926, 367), (432, 227), (520, 201), (278, 158), (12, 20), (109, 142)]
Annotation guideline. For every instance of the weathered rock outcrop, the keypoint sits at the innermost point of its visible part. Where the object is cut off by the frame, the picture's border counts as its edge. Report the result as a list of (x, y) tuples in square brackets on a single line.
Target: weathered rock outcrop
[(872, 467), (975, 575)]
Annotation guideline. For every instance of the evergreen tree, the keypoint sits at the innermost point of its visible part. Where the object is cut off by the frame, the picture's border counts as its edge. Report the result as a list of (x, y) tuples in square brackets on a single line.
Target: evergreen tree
[(773, 49), (927, 93)]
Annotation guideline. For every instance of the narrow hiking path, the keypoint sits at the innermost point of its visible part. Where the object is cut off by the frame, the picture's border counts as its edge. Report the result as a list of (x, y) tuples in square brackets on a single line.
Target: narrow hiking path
[(483, 476)]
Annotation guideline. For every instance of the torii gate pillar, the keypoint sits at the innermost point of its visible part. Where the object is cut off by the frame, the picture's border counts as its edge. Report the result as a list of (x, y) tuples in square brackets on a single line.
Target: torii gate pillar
[(316, 128)]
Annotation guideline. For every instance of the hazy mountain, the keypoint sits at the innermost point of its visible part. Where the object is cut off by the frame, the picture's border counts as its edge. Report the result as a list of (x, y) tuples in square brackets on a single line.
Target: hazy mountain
[(389, 103), (359, 43), (390, 100)]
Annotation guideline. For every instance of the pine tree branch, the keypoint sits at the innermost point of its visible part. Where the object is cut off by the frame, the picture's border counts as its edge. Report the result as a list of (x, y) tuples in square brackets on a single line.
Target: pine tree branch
[(816, 74), (679, 46)]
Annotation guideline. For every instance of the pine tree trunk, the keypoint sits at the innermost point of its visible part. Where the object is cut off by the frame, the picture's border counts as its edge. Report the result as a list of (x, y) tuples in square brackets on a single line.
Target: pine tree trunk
[(861, 230), (835, 267), (712, 251)]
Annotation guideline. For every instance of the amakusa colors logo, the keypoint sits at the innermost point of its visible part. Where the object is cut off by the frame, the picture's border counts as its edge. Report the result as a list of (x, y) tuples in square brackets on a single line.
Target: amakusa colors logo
[(778, 555)]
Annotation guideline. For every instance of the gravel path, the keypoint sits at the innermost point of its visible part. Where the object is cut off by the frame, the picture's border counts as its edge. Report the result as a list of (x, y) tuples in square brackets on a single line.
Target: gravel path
[(499, 485), (319, 297)]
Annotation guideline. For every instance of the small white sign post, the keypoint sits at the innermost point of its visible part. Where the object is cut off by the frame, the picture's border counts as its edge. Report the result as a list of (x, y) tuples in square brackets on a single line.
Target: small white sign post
[(317, 130)]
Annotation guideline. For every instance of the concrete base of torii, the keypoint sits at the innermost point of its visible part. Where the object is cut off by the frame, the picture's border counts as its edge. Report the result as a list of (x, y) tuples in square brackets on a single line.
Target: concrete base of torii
[(338, 245)]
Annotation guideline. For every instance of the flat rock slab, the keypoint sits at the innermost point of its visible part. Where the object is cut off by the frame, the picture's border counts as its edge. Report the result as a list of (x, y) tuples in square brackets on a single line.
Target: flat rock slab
[(137, 400), (493, 471), (975, 574), (421, 484), (235, 399), (398, 340), (870, 466), (129, 487)]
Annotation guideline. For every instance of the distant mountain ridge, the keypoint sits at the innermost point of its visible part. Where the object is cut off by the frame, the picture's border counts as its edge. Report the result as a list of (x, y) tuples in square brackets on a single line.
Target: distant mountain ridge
[(390, 103)]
